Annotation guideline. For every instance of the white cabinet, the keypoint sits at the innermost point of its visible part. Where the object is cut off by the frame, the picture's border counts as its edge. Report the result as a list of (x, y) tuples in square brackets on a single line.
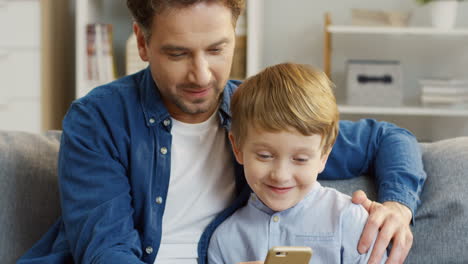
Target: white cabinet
[(428, 123), (20, 65)]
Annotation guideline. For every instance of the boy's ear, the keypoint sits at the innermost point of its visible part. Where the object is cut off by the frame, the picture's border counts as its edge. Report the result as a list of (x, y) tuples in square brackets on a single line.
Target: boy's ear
[(236, 149), (141, 41), (323, 160)]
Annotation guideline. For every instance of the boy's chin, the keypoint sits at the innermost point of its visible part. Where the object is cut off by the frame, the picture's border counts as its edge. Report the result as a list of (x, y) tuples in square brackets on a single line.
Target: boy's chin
[(280, 206)]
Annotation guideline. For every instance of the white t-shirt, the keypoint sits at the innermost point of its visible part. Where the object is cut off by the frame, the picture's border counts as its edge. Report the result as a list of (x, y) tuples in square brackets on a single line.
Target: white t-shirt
[(201, 185)]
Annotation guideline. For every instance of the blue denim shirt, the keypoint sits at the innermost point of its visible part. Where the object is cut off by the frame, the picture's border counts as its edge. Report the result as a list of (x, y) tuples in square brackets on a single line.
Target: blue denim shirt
[(112, 169)]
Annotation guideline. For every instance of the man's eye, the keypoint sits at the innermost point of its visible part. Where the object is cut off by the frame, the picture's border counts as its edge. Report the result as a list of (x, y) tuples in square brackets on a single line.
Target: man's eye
[(215, 51), (176, 55)]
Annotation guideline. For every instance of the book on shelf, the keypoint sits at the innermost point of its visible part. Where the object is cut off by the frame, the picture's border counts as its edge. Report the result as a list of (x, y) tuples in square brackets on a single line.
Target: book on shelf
[(444, 99), (443, 82), (100, 54), (444, 91)]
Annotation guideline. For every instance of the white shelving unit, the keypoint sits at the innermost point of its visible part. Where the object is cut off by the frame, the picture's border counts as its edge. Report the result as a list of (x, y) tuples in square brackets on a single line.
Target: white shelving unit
[(254, 36), (116, 13), (100, 11), (396, 30), (427, 122)]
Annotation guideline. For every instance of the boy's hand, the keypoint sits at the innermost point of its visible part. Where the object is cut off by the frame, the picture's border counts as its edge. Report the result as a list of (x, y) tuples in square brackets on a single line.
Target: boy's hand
[(390, 221)]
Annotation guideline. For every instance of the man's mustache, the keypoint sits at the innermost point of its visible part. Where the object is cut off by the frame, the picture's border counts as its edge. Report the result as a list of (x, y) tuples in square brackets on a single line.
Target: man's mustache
[(192, 86)]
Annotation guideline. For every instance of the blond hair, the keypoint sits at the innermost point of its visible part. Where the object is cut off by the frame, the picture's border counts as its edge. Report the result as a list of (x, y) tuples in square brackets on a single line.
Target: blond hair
[(286, 96)]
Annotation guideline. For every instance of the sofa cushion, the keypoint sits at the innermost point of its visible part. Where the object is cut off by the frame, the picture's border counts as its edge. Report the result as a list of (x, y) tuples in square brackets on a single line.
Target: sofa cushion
[(30, 199), (441, 222), (29, 202)]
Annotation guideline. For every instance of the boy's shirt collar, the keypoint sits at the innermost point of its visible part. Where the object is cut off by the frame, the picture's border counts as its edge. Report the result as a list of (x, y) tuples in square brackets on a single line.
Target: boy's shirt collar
[(258, 204)]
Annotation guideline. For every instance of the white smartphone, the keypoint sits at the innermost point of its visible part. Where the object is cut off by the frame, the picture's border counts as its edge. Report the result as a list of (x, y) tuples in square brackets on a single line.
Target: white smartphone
[(289, 255)]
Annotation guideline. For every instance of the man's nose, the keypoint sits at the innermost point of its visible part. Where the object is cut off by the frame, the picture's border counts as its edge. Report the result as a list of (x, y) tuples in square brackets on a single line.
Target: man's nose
[(200, 72)]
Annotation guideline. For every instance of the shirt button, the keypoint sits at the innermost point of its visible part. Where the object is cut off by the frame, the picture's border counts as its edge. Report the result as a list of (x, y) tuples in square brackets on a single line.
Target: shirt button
[(149, 250), (275, 218), (159, 200), (163, 150), (167, 122), (151, 120)]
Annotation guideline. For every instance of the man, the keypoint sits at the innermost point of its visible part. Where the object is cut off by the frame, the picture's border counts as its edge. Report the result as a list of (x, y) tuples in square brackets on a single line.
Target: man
[(145, 169)]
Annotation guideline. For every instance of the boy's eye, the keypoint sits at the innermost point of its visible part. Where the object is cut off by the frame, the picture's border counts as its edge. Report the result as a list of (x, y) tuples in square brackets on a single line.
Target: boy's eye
[(301, 159), (264, 155)]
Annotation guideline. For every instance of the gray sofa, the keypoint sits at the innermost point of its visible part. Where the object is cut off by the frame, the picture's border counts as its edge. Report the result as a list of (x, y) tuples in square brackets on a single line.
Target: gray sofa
[(29, 202)]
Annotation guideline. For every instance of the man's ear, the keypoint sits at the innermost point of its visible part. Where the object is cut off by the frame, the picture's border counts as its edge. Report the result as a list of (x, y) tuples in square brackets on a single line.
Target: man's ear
[(323, 160), (141, 41), (236, 149)]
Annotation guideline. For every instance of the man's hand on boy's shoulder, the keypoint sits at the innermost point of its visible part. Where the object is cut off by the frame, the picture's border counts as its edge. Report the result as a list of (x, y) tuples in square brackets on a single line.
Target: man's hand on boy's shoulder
[(389, 222)]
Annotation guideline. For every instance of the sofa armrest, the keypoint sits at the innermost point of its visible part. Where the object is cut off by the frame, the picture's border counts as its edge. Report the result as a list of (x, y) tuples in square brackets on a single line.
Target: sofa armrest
[(441, 228), (28, 186)]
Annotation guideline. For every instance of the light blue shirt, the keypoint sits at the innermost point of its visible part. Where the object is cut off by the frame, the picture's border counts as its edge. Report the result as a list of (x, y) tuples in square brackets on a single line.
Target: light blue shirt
[(325, 220)]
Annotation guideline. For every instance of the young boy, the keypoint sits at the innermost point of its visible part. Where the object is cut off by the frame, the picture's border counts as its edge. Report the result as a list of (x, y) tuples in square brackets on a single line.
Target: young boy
[(284, 124)]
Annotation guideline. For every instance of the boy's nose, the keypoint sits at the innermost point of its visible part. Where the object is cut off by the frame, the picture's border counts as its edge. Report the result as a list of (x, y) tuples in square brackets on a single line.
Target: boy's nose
[(280, 174)]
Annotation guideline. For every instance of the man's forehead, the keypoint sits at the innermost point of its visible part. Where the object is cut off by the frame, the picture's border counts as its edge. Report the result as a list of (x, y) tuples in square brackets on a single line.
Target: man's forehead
[(197, 17), (183, 46), (189, 29)]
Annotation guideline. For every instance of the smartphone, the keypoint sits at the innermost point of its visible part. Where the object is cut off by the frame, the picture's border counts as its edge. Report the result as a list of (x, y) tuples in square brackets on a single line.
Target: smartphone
[(289, 255)]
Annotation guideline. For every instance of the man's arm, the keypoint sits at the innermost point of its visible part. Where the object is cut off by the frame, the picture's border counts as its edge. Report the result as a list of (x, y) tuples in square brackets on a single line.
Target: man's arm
[(392, 154), (95, 192)]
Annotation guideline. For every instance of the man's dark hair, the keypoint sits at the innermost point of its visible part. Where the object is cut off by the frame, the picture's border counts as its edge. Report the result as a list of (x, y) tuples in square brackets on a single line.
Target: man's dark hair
[(144, 11)]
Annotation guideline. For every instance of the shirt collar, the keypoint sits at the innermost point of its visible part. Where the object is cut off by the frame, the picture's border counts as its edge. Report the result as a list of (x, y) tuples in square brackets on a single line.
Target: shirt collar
[(152, 104), (256, 203)]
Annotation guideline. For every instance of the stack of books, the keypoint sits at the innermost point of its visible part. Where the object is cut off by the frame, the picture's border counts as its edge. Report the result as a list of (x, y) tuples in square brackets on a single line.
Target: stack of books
[(448, 92), (100, 58)]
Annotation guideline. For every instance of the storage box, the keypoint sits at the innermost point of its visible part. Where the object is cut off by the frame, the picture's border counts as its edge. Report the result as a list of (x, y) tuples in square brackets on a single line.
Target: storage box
[(374, 83)]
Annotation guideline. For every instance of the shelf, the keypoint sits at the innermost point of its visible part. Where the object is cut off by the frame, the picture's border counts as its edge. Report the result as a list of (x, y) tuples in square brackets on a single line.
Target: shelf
[(396, 30), (403, 110)]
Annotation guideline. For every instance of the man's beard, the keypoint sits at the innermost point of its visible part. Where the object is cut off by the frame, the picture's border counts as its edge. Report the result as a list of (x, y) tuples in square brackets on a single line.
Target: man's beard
[(190, 107)]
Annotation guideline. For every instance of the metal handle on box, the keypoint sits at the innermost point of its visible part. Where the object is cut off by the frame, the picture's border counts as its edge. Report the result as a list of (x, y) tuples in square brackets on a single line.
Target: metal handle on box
[(387, 79)]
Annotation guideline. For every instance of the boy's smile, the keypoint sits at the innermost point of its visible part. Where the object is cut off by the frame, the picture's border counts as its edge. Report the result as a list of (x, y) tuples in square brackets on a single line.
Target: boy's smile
[(281, 167)]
